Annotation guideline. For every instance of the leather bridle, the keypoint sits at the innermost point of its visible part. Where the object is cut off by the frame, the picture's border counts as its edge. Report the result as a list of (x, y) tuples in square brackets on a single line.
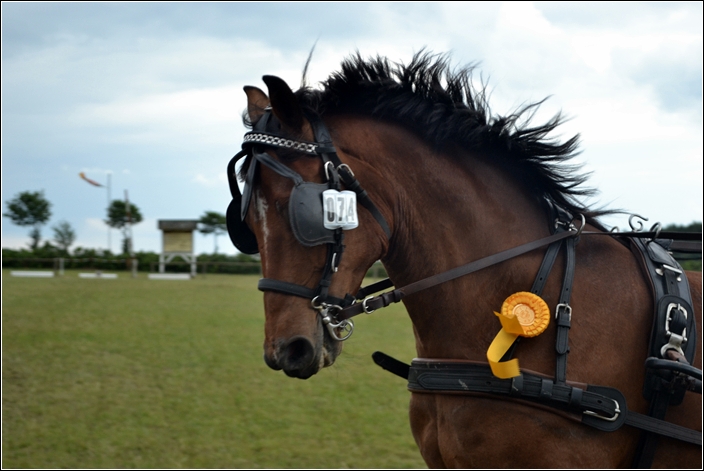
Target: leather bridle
[(338, 175)]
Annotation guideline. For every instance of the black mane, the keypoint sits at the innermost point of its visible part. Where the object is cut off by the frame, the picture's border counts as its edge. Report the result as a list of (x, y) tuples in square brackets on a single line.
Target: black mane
[(442, 107)]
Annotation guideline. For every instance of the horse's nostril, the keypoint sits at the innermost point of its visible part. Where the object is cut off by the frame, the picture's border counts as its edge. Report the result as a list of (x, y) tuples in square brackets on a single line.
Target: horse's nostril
[(299, 353)]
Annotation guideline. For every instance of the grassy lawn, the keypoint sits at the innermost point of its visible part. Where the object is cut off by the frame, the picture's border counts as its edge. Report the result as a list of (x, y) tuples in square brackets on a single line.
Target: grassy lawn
[(138, 373)]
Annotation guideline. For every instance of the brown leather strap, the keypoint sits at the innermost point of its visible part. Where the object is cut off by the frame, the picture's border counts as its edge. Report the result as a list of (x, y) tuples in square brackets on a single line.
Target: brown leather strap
[(372, 304)]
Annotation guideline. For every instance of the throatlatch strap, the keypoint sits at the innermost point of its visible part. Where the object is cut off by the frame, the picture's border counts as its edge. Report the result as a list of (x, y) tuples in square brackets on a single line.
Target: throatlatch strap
[(563, 313)]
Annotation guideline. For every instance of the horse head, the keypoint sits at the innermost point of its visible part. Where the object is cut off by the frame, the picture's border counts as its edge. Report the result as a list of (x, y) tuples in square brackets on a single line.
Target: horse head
[(291, 166)]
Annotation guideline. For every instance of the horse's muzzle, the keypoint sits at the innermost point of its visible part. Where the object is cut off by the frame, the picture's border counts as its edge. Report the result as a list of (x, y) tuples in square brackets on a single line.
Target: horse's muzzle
[(297, 357)]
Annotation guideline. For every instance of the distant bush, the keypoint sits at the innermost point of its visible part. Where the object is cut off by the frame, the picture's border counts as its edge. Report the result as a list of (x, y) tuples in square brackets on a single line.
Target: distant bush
[(688, 261), (95, 259)]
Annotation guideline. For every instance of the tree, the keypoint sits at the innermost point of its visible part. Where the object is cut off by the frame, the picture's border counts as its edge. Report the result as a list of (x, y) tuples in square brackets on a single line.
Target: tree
[(212, 222), (695, 226), (119, 218), (64, 235), (29, 208)]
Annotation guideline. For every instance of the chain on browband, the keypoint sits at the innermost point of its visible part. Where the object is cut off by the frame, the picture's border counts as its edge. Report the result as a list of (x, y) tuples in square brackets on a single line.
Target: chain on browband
[(278, 141), (337, 173)]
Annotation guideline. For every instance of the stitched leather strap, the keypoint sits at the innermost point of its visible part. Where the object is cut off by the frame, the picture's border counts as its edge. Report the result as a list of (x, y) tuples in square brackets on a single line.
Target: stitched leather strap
[(396, 295), (661, 427), (563, 312), (609, 405), (478, 378)]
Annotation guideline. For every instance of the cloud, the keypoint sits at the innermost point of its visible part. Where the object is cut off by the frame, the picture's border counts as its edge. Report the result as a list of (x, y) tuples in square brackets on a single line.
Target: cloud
[(214, 181), (156, 88)]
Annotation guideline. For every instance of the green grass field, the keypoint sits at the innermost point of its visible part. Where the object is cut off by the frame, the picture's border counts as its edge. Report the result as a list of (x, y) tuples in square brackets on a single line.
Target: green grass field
[(138, 373)]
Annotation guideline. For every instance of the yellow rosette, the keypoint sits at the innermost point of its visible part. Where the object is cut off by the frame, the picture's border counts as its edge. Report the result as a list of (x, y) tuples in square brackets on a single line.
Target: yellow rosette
[(522, 314)]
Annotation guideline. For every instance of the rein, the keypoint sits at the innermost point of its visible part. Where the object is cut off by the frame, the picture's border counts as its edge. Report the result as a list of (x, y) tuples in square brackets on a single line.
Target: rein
[(372, 303)]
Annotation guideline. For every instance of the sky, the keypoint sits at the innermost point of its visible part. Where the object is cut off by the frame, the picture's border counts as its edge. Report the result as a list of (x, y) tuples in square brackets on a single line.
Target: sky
[(148, 96)]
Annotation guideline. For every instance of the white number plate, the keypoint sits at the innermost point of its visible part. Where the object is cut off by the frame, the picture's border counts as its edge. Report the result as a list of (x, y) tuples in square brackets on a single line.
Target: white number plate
[(340, 209)]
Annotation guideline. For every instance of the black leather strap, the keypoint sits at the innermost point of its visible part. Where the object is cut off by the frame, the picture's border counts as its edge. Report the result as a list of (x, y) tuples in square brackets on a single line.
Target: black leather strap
[(373, 288), (601, 407), (563, 314), (267, 284), (395, 296), (661, 427), (478, 377), (363, 198), (391, 364), (546, 267)]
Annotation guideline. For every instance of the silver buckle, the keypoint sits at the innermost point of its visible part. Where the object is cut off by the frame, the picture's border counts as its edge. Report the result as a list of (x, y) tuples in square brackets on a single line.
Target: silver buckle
[(565, 306), (617, 412), (329, 168), (367, 309), (674, 341)]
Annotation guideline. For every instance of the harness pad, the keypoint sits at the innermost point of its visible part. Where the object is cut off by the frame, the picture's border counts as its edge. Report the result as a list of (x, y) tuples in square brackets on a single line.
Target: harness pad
[(673, 321)]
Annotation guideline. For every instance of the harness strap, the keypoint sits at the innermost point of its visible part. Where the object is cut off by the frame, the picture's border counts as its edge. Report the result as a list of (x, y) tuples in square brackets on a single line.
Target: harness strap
[(363, 198), (598, 406), (691, 239), (345, 174), (560, 220), (546, 267), (374, 288), (563, 313), (372, 304), (668, 325)]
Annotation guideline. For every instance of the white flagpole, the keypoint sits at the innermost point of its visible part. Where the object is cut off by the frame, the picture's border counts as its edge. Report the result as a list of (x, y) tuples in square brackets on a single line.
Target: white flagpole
[(109, 241)]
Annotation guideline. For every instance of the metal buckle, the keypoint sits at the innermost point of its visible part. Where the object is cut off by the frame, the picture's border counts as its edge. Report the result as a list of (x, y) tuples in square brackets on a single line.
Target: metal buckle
[(349, 170), (617, 412), (329, 165), (367, 309), (333, 266), (328, 318), (570, 226), (565, 306), (321, 306), (674, 341)]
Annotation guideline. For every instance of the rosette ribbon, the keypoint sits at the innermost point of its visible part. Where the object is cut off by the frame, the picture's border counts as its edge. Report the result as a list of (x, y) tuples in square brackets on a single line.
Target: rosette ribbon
[(522, 314)]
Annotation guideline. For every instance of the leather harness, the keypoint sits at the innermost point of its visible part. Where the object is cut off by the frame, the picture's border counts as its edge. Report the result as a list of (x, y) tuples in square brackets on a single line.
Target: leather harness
[(669, 374)]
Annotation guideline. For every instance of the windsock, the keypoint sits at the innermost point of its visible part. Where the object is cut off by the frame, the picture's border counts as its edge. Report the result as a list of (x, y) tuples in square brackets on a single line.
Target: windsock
[(92, 182)]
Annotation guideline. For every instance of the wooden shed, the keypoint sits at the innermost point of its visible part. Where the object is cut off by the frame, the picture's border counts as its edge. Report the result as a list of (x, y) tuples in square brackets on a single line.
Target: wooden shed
[(177, 241)]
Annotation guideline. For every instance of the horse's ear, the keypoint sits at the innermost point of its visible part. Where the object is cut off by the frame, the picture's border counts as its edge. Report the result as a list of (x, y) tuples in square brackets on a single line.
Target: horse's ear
[(284, 103), (257, 101)]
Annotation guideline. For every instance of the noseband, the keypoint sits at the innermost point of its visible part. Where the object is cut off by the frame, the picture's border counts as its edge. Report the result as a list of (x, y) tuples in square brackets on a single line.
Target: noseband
[(318, 212)]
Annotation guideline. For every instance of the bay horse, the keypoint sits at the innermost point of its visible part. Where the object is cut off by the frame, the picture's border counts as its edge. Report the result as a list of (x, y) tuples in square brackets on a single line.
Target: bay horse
[(440, 182)]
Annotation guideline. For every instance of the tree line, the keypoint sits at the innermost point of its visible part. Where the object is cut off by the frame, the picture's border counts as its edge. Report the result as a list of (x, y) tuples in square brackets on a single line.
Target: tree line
[(32, 209)]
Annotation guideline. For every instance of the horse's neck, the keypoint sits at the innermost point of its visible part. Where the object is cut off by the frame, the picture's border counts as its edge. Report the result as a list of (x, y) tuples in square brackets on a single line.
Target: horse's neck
[(451, 210)]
